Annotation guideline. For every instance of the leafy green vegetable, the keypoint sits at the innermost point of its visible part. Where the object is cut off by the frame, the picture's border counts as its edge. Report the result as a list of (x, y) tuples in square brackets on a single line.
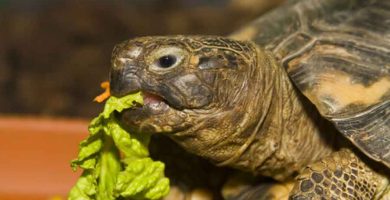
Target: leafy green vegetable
[(107, 175)]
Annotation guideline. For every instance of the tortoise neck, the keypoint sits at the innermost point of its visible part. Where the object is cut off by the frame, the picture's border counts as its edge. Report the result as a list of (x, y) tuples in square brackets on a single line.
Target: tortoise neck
[(290, 132), (273, 131)]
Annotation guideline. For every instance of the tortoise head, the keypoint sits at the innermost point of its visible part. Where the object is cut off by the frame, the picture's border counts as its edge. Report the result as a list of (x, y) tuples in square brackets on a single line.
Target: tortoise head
[(200, 90)]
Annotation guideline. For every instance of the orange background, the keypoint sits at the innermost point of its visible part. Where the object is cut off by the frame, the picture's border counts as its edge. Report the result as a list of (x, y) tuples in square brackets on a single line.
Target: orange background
[(35, 156)]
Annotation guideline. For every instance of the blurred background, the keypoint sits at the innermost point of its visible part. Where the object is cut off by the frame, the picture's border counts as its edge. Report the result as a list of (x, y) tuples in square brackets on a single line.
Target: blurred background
[(53, 56), (54, 53)]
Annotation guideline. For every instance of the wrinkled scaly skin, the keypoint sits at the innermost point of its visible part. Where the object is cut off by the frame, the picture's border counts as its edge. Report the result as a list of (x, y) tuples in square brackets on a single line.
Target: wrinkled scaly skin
[(229, 102)]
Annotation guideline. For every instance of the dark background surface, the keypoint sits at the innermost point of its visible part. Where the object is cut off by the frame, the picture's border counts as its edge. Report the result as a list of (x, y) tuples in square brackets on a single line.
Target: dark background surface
[(54, 54)]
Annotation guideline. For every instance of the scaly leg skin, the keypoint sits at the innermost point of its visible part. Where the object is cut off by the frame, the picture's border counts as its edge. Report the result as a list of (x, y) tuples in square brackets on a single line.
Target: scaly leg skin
[(342, 176)]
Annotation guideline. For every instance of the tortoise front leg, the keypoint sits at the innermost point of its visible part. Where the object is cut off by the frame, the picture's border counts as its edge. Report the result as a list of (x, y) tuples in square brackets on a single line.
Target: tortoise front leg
[(340, 176)]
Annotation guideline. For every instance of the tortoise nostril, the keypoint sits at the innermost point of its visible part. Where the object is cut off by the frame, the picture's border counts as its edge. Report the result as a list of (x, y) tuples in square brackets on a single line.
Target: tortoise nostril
[(124, 63), (125, 55), (133, 52)]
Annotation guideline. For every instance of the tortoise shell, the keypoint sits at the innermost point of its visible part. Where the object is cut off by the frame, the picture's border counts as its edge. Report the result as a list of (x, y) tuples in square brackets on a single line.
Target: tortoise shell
[(337, 52)]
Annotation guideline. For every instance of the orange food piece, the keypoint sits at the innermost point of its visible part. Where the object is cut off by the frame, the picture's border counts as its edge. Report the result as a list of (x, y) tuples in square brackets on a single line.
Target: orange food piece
[(106, 94)]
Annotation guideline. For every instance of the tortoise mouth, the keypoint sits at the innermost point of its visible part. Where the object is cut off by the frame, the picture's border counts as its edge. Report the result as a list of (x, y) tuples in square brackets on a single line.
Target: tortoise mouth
[(155, 115), (155, 103), (153, 99)]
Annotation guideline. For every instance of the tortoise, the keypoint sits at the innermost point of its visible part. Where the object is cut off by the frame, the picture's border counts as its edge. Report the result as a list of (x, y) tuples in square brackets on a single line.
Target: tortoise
[(301, 95)]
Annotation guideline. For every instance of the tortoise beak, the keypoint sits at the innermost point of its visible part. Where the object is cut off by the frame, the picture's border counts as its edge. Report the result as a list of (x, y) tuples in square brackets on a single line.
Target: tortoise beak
[(123, 80), (124, 67)]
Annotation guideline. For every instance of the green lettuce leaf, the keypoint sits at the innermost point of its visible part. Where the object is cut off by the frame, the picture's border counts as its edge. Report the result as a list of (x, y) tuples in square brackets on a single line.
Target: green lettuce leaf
[(142, 178), (107, 175), (85, 188)]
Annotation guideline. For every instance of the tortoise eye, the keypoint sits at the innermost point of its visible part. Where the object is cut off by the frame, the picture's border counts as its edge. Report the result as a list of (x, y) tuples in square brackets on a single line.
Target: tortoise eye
[(166, 61)]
